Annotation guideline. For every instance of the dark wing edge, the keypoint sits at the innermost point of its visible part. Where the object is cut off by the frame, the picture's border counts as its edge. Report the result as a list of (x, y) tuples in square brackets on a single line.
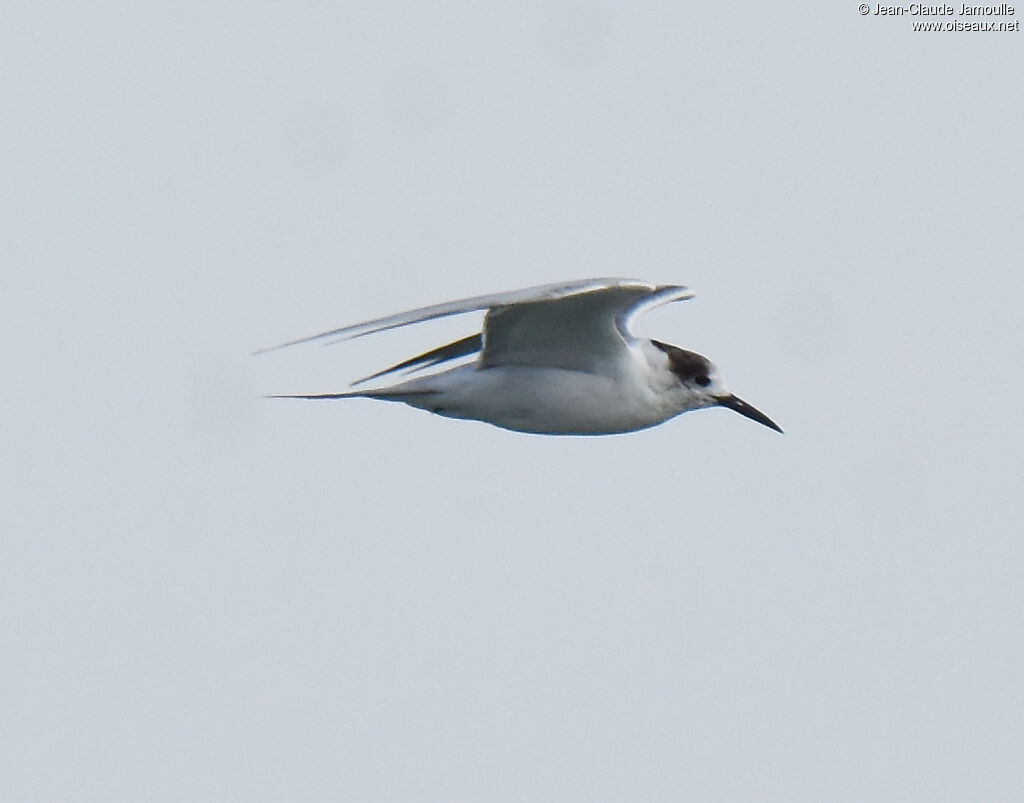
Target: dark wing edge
[(451, 351)]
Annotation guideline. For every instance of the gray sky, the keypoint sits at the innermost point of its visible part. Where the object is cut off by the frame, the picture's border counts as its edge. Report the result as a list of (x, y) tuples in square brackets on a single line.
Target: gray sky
[(210, 597)]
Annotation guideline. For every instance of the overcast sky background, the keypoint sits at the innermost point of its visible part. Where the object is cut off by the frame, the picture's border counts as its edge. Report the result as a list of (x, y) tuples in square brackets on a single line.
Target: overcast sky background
[(205, 596)]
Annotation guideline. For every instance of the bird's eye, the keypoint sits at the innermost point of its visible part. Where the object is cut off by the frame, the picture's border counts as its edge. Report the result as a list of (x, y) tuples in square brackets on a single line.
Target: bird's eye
[(702, 380)]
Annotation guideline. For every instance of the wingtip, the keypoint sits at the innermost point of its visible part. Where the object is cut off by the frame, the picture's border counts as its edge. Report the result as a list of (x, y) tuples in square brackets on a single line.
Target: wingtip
[(278, 347), (334, 335), (680, 291)]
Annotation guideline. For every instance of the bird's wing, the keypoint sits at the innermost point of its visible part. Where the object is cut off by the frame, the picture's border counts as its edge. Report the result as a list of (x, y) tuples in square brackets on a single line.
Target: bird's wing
[(572, 332), (450, 351), (585, 330), (573, 325), (528, 295)]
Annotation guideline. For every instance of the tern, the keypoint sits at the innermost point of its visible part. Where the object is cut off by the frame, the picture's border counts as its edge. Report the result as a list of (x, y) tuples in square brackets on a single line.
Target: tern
[(558, 359)]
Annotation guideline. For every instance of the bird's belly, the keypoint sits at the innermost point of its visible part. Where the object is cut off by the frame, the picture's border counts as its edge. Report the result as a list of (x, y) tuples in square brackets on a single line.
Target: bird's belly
[(547, 401)]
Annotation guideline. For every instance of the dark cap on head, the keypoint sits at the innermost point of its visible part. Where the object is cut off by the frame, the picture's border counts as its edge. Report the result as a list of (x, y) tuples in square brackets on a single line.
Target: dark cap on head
[(690, 367), (686, 365)]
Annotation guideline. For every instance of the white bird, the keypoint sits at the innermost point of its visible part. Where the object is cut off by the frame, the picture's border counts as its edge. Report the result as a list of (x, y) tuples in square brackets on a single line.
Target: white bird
[(558, 359)]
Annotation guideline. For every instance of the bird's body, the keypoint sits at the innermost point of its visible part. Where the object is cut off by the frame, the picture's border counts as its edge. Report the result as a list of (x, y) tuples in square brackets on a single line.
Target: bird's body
[(556, 360), (546, 400)]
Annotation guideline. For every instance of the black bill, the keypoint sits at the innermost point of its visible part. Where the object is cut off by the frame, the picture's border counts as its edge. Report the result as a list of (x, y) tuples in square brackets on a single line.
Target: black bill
[(741, 407)]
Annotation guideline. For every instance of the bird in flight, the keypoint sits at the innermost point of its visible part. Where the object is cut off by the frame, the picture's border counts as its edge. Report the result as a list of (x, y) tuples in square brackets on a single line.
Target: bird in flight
[(558, 359)]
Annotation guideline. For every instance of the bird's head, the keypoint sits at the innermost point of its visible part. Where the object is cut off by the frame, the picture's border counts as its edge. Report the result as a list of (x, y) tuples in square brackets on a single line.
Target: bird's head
[(696, 384)]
